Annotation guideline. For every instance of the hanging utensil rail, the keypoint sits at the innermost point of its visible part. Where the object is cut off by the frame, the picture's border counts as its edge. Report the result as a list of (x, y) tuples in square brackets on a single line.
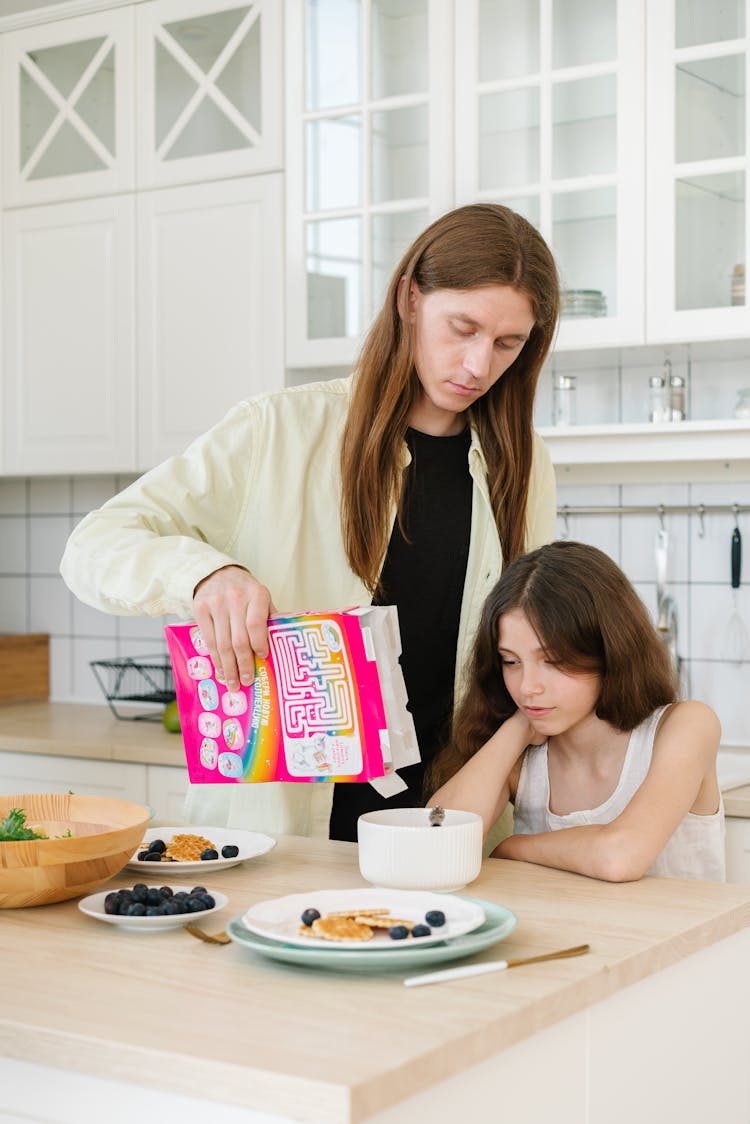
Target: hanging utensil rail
[(655, 509)]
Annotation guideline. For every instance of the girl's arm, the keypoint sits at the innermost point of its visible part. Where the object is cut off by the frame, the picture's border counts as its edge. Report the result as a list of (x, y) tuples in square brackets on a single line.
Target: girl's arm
[(682, 773), (481, 785)]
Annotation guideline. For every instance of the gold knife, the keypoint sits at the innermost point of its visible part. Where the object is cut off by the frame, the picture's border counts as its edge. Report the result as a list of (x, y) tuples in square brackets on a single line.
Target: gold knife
[(491, 966)]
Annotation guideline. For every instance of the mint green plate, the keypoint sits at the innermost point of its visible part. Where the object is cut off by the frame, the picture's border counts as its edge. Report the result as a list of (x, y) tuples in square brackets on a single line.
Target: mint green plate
[(499, 923)]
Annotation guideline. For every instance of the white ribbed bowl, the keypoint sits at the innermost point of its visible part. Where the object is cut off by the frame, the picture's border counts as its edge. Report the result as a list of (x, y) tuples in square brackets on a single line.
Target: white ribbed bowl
[(400, 850)]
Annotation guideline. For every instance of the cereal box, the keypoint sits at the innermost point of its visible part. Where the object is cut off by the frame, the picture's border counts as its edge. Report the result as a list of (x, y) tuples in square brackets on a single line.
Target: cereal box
[(328, 703)]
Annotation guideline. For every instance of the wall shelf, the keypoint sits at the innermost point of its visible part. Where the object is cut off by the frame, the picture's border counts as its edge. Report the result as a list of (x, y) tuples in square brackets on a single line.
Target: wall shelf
[(674, 442)]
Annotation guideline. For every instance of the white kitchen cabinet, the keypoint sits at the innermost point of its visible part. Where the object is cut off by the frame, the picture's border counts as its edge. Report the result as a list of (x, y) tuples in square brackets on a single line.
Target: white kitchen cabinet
[(369, 158), (549, 121), (210, 306), (161, 788), (69, 353), (545, 111), (167, 788), (573, 112), (40, 772), (210, 89), (68, 108), (738, 849), (697, 218)]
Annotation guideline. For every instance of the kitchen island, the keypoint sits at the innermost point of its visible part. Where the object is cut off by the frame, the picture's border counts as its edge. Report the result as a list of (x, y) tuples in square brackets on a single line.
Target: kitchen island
[(651, 1025)]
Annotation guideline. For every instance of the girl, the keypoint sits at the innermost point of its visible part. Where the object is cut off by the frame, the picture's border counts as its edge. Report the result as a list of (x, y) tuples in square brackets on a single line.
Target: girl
[(409, 483), (572, 717)]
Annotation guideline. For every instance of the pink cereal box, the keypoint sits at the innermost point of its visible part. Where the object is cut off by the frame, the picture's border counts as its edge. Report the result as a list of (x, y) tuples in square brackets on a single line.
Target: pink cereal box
[(328, 704)]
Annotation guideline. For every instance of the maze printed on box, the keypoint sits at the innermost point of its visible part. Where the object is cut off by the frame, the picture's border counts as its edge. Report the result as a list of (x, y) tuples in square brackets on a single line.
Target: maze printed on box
[(314, 680)]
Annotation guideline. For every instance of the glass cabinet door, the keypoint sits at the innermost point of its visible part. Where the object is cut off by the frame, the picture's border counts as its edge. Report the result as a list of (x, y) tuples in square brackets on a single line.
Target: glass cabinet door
[(210, 84), (549, 96), (697, 158), (68, 116), (369, 158)]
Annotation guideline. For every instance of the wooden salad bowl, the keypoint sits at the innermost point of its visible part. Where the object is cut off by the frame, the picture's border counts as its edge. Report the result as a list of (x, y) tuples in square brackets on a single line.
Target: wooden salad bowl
[(103, 835)]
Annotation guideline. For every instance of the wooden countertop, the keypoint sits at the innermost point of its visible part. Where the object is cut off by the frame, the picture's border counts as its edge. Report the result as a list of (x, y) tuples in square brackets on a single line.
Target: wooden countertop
[(80, 730), (166, 1010)]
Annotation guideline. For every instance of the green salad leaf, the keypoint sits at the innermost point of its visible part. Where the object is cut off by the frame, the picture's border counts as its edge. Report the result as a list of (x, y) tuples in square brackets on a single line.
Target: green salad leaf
[(13, 829)]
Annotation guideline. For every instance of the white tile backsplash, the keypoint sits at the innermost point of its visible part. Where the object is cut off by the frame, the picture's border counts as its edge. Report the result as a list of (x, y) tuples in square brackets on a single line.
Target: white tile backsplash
[(49, 495), (47, 539), (84, 649), (716, 629), (13, 497), (92, 622), (50, 606), (60, 669), (14, 604), (725, 687), (13, 549), (139, 629), (90, 492)]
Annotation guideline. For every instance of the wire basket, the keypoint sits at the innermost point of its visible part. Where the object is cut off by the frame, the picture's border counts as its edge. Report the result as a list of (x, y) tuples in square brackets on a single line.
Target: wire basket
[(136, 679)]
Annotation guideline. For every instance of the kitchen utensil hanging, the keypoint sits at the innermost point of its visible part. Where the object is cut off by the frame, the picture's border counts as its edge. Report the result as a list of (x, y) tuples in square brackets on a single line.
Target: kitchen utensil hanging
[(736, 644), (666, 606)]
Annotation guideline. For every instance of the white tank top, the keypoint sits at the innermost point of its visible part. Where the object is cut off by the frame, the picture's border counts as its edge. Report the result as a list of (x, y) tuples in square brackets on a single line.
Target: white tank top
[(694, 850)]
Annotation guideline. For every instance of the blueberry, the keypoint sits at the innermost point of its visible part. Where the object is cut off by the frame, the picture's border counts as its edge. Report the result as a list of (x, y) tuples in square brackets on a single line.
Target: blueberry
[(139, 892), (398, 932), (435, 917), (142, 855), (309, 916), (153, 911), (180, 896), (229, 851), (166, 891), (194, 904), (157, 845), (209, 853), (208, 901), (198, 890), (153, 896), (170, 906), (421, 931), (111, 902), (152, 857), (136, 909)]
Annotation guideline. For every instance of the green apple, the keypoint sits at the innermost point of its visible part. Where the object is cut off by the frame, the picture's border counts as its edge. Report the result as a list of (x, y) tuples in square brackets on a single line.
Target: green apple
[(171, 718)]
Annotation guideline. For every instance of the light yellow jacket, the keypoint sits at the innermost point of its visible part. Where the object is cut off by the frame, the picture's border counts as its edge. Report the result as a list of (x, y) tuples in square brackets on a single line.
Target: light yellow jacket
[(261, 489)]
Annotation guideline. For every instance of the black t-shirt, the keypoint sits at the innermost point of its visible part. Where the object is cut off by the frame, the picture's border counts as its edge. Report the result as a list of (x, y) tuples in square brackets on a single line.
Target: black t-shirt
[(423, 575)]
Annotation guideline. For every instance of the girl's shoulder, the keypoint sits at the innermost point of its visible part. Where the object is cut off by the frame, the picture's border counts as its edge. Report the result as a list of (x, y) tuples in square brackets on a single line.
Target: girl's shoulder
[(691, 719)]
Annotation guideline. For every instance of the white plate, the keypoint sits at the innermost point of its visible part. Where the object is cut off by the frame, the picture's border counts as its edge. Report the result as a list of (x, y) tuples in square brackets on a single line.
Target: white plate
[(280, 918), (500, 922), (250, 843), (93, 906)]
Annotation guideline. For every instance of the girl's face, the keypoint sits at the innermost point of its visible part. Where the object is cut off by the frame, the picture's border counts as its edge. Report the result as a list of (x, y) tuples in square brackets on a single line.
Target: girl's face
[(465, 339), (554, 700)]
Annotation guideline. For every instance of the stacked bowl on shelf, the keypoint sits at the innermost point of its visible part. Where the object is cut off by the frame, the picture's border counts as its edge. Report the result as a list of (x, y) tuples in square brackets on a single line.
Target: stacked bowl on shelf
[(583, 302)]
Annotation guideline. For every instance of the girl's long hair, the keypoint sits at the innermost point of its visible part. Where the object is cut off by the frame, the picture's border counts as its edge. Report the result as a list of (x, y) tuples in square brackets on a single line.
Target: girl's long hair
[(588, 617), (480, 244)]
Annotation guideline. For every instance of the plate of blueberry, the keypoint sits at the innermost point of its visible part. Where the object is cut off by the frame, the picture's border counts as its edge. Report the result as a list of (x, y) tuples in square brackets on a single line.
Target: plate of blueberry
[(145, 907), (207, 847)]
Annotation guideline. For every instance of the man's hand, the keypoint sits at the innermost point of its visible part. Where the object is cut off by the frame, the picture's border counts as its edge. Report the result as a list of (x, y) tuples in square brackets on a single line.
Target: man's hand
[(232, 609)]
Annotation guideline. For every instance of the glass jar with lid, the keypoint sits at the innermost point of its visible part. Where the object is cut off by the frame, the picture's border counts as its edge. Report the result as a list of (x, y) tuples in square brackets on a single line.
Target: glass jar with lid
[(564, 399)]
